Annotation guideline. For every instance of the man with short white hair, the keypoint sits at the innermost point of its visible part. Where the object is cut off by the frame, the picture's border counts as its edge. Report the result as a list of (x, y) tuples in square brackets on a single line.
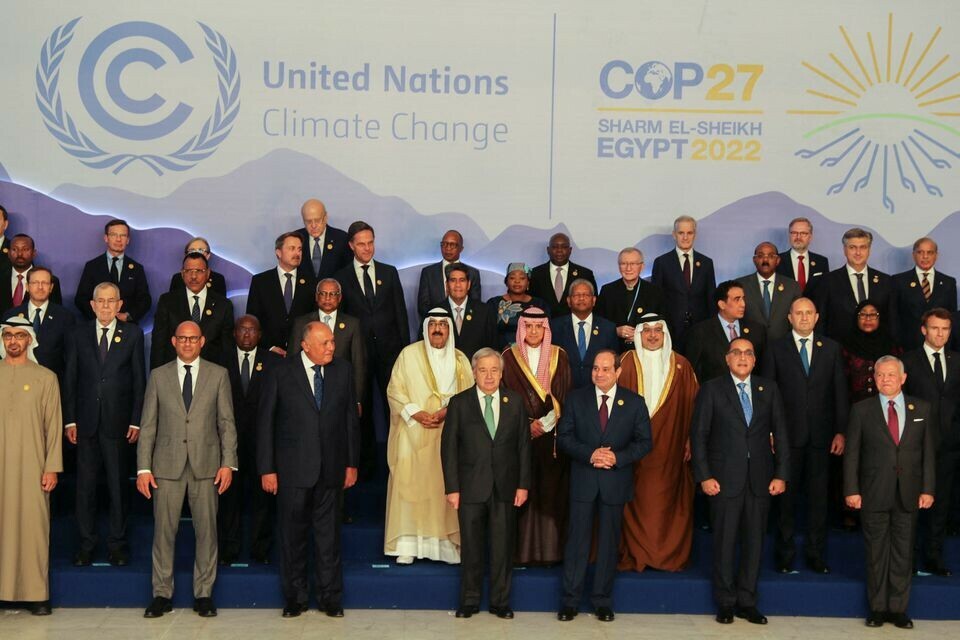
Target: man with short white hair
[(325, 249)]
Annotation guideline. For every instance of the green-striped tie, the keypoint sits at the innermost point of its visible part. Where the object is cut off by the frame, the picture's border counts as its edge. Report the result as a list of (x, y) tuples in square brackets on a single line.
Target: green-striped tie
[(488, 416)]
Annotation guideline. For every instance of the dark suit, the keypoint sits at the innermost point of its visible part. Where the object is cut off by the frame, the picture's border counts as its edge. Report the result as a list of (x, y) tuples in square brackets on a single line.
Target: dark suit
[(816, 266), (836, 301), (56, 324), (816, 410), (246, 482), (216, 325), (104, 400), (486, 472), (265, 302), (216, 283), (336, 253), (708, 342), (478, 329), (134, 290), (349, 341), (602, 336), (783, 291), (309, 448), (738, 455), (605, 490), (623, 307), (889, 479), (6, 289), (685, 306), (942, 397), (541, 285), (5, 251), (911, 305), (433, 287)]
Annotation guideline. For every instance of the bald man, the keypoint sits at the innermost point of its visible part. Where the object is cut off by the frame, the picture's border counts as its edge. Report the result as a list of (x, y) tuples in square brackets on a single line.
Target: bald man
[(325, 249)]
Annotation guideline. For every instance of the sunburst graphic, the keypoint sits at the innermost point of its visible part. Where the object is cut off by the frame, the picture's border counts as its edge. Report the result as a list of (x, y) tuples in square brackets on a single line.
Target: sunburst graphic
[(889, 128)]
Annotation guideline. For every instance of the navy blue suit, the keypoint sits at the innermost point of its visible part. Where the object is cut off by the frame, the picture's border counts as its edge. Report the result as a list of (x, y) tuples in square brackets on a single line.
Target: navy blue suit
[(335, 255), (911, 305), (603, 336), (51, 342), (816, 267), (134, 290), (541, 285), (265, 302), (685, 306), (836, 301), (6, 289), (432, 291)]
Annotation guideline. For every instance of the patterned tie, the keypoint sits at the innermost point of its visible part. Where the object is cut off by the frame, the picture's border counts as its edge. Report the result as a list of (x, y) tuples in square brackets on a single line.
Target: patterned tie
[(195, 313), (804, 357), (288, 291), (767, 301), (102, 347), (316, 256), (733, 331), (938, 369), (245, 373), (368, 291), (801, 273), (925, 285), (687, 271), (317, 385), (558, 284), (458, 320), (115, 270), (326, 320), (893, 422), (582, 340), (488, 416), (861, 291), (187, 386), (745, 402), (36, 322), (604, 413), (18, 291)]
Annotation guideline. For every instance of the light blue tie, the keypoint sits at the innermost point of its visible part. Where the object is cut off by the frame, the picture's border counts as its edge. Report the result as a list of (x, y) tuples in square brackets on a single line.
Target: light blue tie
[(745, 402), (804, 358), (582, 341), (767, 301)]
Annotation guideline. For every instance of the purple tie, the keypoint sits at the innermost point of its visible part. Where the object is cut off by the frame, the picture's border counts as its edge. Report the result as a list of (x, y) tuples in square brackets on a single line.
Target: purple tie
[(604, 413)]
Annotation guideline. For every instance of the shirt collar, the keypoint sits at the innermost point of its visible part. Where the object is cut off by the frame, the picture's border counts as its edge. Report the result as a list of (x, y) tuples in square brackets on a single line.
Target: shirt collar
[(897, 400), (931, 272), (851, 272), (737, 381), (680, 253), (332, 314), (797, 338), (283, 273), (772, 279), (930, 351), (110, 257), (194, 366), (610, 394), (110, 327), (43, 308), (481, 394), (202, 294), (588, 320), (357, 265), (454, 305)]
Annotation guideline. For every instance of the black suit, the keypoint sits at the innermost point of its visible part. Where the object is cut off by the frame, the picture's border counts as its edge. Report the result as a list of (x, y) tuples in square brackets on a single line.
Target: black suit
[(889, 479), (134, 290), (246, 481), (783, 291), (478, 328), (309, 449), (216, 325), (836, 301), (486, 472), (7, 288), (623, 307), (599, 490), (265, 302), (815, 265), (942, 397), (103, 400), (686, 306), (335, 255), (911, 305), (433, 287), (738, 455), (216, 283), (602, 336), (541, 285), (708, 342), (349, 341), (56, 324), (816, 410)]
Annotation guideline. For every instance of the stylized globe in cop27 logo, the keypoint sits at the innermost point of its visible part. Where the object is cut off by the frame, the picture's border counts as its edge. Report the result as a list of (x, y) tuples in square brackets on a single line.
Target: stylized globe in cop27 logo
[(158, 125), (654, 80)]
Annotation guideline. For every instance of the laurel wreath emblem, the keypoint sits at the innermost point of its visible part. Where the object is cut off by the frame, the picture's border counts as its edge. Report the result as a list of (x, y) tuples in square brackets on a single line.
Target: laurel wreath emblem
[(79, 145)]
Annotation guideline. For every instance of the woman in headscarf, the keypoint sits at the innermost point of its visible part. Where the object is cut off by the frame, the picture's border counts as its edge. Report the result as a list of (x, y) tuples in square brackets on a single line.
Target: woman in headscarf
[(658, 522), (869, 339), (507, 307), (540, 373)]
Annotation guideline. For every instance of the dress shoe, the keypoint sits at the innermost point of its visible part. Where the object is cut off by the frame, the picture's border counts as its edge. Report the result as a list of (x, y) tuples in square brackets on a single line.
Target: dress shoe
[(875, 619), (937, 569), (900, 620), (204, 607), (41, 608), (82, 559), (505, 613), (604, 614), (118, 558), (404, 559), (467, 610), (818, 566), (566, 614), (751, 615), (333, 611), (784, 567), (158, 606), (294, 609), (725, 615)]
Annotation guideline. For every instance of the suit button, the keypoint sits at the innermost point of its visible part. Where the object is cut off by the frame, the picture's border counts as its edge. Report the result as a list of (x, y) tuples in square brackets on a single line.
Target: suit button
[(184, 442), (188, 422)]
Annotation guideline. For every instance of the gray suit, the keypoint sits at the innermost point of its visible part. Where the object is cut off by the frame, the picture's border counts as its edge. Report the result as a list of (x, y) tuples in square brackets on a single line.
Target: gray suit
[(184, 449), (782, 294)]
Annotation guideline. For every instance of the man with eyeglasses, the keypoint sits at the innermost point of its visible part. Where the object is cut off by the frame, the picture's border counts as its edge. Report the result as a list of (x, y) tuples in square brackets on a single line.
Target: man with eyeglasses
[(216, 280), (799, 263), (624, 301), (51, 321), (199, 303), (769, 294), (432, 291), (14, 275), (741, 457), (119, 268), (551, 280), (103, 397)]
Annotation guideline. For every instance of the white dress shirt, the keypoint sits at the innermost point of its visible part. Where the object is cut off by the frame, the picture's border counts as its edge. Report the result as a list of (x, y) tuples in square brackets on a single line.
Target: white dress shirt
[(13, 281), (689, 252), (587, 327), (564, 273), (610, 396), (202, 295), (182, 373), (726, 330), (809, 339), (333, 318), (796, 263), (358, 269), (308, 370), (241, 353), (32, 310), (931, 274), (943, 358), (852, 277), (281, 274), (747, 388), (496, 404)]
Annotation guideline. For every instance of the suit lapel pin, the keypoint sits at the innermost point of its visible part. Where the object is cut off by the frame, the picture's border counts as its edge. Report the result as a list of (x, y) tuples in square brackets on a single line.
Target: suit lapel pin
[(26, 387), (697, 263), (259, 366), (379, 282), (5, 250), (746, 329), (813, 263), (876, 279), (913, 283), (780, 287), (639, 309), (575, 274), (506, 399), (468, 317), (819, 344), (620, 403), (130, 265), (679, 367), (302, 281), (760, 388), (329, 245), (342, 326), (209, 312), (116, 338), (910, 406), (20, 315), (209, 284), (596, 332)]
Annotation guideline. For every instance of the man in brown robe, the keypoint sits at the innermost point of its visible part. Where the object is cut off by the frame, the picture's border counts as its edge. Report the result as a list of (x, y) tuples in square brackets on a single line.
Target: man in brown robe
[(658, 523), (31, 428), (540, 373)]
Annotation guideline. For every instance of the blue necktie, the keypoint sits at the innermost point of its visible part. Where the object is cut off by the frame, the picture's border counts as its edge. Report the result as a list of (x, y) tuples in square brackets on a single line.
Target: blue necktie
[(767, 301), (804, 358), (187, 387), (582, 341), (288, 291), (317, 385), (745, 402), (316, 257), (195, 312), (36, 327)]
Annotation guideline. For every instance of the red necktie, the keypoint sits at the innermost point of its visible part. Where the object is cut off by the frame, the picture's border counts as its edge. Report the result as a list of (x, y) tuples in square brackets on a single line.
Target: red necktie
[(18, 292), (801, 273), (893, 422), (604, 413)]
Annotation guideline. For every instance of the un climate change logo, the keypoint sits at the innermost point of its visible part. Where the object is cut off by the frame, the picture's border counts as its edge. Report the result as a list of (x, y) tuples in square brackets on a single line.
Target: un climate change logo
[(654, 80), (194, 146)]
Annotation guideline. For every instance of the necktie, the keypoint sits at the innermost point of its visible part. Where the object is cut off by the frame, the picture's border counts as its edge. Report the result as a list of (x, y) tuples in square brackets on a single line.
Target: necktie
[(18, 291), (582, 340), (687, 271), (893, 422), (558, 284), (316, 256), (925, 285), (288, 291), (326, 320), (459, 320), (317, 385), (115, 270), (801, 273), (36, 322), (488, 415), (245, 372), (604, 413), (733, 332), (102, 348), (938, 369), (861, 291), (804, 356), (745, 402), (195, 313), (368, 292), (187, 386), (767, 300)]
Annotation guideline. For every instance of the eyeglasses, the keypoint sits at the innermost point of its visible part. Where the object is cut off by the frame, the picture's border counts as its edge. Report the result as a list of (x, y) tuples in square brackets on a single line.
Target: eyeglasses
[(20, 337), (741, 353), (869, 316), (188, 339), (802, 234), (630, 264), (328, 294)]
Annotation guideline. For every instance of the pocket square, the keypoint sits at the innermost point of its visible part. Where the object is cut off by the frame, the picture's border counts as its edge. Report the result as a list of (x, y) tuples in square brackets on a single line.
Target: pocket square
[(918, 419)]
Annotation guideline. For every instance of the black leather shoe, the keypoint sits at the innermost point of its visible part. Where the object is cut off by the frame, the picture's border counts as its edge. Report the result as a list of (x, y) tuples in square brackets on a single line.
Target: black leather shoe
[(118, 558), (725, 615), (333, 611), (82, 559), (604, 614), (467, 610), (818, 566), (875, 619), (751, 615), (566, 614), (205, 607), (901, 621), (294, 609), (937, 569), (41, 608), (158, 606), (506, 613), (784, 567)]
